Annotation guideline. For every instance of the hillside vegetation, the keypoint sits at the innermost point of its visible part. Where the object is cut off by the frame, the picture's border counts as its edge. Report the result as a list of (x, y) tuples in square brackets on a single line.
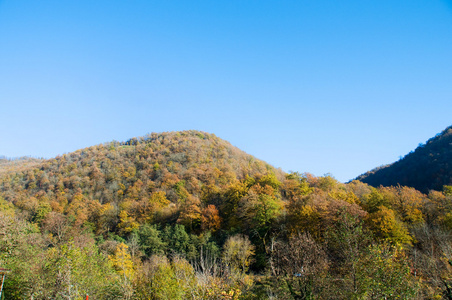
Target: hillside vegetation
[(17, 164), (429, 167), (185, 215)]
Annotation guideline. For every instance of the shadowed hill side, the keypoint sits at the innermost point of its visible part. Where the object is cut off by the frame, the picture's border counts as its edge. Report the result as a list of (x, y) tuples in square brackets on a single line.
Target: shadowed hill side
[(429, 167)]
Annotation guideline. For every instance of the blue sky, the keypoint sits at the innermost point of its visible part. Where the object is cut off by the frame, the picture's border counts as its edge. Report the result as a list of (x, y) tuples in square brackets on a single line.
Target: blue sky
[(334, 87)]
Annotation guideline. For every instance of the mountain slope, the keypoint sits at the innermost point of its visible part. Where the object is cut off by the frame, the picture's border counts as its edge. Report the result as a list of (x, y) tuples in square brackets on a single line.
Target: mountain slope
[(429, 167), (140, 176)]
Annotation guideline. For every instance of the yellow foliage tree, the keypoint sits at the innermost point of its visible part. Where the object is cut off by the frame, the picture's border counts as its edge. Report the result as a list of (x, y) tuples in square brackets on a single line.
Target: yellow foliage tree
[(238, 252), (385, 225), (123, 264), (122, 261), (159, 200), (127, 223)]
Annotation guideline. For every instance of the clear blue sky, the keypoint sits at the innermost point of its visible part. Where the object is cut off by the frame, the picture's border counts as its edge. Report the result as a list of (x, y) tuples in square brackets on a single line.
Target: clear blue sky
[(309, 86)]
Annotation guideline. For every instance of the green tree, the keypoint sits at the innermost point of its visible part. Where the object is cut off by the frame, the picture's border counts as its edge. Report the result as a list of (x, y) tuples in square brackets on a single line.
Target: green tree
[(346, 240), (384, 273), (150, 240), (22, 249), (77, 270), (178, 241)]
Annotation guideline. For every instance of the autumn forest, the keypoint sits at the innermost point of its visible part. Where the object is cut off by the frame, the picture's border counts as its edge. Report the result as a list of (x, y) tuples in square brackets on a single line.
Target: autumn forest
[(186, 215)]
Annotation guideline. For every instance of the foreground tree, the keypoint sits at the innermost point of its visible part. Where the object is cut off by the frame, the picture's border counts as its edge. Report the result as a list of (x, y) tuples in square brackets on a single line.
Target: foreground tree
[(299, 267)]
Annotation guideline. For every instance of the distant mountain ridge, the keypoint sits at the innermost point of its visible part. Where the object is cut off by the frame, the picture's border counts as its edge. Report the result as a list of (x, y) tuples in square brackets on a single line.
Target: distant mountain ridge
[(429, 167), (12, 164)]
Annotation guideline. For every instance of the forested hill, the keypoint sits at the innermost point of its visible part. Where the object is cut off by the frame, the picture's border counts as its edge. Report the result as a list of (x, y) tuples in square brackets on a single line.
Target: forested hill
[(172, 167), (429, 167)]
